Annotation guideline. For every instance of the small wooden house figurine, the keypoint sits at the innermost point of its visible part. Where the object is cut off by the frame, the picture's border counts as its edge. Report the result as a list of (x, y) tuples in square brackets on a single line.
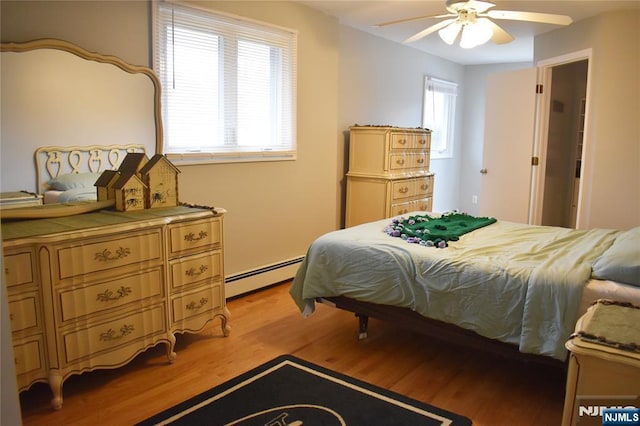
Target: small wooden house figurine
[(133, 162), (104, 185), (129, 192), (161, 178)]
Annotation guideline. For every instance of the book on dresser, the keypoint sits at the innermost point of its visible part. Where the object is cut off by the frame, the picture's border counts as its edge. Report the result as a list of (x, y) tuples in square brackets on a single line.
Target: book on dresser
[(94, 290), (388, 173)]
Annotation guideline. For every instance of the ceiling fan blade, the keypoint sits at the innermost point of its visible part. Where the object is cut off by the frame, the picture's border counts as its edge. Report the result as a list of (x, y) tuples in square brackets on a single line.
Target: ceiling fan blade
[(429, 30), (500, 36), (545, 18), (416, 18)]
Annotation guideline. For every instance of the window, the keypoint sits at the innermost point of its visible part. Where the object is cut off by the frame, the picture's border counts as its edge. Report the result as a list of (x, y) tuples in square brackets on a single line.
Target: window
[(228, 86), (439, 115)]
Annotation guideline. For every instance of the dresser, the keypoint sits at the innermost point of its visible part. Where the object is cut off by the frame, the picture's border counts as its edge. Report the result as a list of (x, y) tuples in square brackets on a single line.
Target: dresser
[(388, 173), (92, 291)]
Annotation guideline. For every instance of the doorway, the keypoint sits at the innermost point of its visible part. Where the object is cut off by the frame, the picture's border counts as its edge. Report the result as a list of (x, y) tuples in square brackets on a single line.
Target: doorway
[(563, 163), (529, 131)]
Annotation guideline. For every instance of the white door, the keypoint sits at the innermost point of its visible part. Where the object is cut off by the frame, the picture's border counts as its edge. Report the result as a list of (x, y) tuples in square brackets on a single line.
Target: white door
[(505, 189)]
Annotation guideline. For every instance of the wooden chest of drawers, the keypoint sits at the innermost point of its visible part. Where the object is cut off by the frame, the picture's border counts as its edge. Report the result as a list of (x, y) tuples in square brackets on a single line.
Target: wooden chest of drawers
[(93, 291), (388, 173)]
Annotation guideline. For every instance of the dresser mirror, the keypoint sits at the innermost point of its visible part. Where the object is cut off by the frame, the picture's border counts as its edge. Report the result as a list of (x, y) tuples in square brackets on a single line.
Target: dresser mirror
[(93, 107)]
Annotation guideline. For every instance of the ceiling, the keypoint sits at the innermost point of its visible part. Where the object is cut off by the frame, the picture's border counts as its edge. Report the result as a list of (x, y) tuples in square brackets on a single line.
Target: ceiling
[(364, 14)]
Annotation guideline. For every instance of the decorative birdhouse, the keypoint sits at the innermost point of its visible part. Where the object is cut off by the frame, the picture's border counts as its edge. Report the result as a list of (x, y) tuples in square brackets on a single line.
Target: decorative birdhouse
[(129, 192), (133, 162), (104, 184), (161, 178)]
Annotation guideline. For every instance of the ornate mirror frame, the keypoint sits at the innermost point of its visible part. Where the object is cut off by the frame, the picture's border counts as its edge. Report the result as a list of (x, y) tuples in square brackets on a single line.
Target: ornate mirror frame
[(132, 116)]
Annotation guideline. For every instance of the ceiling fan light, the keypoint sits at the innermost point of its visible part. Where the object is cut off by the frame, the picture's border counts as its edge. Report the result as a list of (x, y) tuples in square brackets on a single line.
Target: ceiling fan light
[(476, 33), (449, 33)]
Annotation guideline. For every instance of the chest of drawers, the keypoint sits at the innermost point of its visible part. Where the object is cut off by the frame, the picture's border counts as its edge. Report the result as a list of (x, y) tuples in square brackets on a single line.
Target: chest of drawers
[(388, 173), (93, 291)]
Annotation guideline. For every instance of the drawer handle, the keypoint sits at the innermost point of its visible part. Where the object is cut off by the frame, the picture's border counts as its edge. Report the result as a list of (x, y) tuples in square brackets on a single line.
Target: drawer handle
[(403, 190), (106, 255), (108, 295), (420, 160), (402, 141), (191, 237), (111, 334), (422, 141), (193, 272), (400, 161), (424, 186), (193, 306)]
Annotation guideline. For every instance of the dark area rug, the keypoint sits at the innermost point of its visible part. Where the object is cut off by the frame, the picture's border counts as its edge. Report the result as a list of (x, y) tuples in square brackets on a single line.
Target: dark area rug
[(291, 391)]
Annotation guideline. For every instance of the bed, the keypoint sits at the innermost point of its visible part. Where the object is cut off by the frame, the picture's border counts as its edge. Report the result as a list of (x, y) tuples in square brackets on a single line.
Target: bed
[(504, 286), (67, 174)]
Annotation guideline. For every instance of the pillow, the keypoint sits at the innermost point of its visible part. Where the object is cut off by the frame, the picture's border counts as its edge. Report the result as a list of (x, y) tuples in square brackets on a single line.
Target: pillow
[(73, 180), (621, 261)]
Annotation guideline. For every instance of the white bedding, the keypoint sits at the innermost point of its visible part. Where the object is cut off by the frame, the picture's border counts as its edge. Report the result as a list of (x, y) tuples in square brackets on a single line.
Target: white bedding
[(607, 289), (51, 196), (70, 195)]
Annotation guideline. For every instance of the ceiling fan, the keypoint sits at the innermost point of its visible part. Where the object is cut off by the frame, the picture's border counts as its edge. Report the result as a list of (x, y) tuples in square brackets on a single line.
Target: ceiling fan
[(471, 21)]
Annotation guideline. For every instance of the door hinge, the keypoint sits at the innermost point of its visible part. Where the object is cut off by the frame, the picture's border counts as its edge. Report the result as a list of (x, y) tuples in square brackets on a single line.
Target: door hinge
[(534, 161), (539, 88)]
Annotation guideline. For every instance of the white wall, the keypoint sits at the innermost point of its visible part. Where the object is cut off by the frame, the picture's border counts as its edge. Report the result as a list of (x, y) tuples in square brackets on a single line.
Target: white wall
[(612, 135), (382, 83)]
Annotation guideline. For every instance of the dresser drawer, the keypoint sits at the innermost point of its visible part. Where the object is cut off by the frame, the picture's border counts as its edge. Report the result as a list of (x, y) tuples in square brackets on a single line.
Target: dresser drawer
[(193, 269), (424, 186), (400, 140), (407, 160), (424, 204), (29, 355), (94, 298), (198, 302), (109, 253), (196, 235), (402, 189), (114, 333), (23, 311), (18, 268)]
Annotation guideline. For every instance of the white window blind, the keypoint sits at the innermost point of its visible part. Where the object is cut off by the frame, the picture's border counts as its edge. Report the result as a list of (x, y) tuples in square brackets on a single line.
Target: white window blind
[(228, 86), (439, 115)]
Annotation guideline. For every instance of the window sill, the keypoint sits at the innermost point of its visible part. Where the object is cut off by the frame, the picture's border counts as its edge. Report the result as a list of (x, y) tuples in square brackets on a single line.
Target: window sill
[(190, 158)]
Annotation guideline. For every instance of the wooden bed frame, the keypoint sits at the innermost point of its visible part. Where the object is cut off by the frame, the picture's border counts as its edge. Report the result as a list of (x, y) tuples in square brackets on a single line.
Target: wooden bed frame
[(413, 321)]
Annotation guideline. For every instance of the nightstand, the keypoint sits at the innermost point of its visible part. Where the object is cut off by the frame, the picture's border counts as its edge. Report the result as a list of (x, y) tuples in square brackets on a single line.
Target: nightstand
[(604, 363), (17, 199)]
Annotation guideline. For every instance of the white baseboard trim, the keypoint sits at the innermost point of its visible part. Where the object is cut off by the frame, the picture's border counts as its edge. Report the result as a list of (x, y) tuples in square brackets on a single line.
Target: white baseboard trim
[(265, 276)]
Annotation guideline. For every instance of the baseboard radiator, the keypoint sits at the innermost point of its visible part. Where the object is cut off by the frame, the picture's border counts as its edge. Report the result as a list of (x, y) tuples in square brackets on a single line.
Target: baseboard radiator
[(265, 276)]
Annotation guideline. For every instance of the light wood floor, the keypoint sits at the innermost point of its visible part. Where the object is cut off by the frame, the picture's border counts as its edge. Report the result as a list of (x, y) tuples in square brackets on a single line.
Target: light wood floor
[(490, 390)]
